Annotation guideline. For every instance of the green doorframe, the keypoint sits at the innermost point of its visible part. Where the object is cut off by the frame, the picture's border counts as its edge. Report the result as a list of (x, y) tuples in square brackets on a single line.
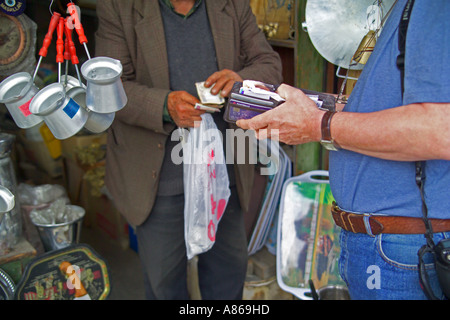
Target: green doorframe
[(311, 71)]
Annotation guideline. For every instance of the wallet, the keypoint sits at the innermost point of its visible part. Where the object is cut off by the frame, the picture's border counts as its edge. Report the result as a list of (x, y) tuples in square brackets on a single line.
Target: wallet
[(243, 103)]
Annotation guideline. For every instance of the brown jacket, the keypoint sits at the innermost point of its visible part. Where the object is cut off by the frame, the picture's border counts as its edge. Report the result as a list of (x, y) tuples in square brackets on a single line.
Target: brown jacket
[(132, 32)]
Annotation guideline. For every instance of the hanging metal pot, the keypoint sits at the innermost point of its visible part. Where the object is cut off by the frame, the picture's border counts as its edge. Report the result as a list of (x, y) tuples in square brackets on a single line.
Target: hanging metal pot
[(63, 116), (96, 122), (105, 92), (16, 92)]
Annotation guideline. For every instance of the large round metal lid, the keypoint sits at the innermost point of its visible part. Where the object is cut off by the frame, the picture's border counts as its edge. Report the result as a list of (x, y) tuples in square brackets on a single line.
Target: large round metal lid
[(336, 27)]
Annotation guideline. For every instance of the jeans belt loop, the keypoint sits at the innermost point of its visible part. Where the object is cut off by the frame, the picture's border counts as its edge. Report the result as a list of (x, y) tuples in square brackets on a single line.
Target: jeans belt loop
[(366, 219)]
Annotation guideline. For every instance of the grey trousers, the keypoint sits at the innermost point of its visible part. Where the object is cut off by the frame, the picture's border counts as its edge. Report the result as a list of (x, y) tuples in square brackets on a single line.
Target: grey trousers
[(162, 250)]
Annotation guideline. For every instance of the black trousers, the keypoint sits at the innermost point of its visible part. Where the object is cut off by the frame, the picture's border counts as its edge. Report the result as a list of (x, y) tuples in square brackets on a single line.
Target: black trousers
[(162, 250)]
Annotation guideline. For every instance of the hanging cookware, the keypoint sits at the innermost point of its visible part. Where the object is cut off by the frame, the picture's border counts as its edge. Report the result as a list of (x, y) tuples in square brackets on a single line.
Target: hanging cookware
[(16, 92), (75, 89), (105, 92), (96, 122), (63, 116)]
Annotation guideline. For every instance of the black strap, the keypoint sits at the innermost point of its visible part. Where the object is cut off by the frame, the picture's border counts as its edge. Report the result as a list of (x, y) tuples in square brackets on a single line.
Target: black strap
[(402, 30), (420, 181), (420, 168)]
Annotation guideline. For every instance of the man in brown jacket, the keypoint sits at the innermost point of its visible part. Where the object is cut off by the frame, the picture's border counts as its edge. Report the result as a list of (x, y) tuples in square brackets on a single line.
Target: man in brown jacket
[(165, 47)]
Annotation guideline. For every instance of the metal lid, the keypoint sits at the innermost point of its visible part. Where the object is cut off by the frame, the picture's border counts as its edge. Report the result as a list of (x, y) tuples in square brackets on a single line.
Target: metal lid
[(336, 27)]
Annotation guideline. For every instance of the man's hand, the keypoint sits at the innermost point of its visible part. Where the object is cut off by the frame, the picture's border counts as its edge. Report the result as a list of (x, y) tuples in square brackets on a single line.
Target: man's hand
[(180, 105), (296, 121), (223, 82)]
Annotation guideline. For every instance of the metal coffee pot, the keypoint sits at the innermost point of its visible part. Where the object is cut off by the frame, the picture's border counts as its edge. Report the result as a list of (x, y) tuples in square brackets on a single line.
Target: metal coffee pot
[(105, 92)]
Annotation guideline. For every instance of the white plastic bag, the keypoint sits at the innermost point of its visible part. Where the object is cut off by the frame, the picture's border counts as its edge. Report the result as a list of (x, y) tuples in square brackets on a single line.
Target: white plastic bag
[(206, 186)]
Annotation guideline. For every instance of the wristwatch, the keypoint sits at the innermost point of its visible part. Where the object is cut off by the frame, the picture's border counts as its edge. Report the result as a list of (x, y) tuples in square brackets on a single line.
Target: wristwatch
[(327, 141)]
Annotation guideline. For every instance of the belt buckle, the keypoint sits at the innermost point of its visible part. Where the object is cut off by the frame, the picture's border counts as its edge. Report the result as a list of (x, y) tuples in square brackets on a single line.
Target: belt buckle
[(366, 219)]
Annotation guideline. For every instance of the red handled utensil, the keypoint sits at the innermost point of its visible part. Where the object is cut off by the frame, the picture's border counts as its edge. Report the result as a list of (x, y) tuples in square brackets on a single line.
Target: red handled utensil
[(78, 26), (47, 40), (60, 46), (72, 51), (66, 53)]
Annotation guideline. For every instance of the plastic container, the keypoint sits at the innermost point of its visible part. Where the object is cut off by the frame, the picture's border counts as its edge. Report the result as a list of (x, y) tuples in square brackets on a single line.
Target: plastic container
[(308, 239)]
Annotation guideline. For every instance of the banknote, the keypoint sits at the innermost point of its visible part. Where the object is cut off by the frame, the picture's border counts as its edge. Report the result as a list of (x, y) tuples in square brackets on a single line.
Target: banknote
[(206, 108), (206, 97)]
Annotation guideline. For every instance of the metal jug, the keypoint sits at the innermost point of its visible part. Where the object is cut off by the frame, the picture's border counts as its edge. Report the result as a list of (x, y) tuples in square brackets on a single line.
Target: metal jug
[(63, 116), (7, 201), (96, 122), (16, 92), (10, 214), (105, 92)]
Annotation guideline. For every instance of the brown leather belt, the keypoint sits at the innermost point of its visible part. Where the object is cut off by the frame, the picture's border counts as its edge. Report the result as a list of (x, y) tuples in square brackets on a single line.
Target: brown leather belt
[(374, 225)]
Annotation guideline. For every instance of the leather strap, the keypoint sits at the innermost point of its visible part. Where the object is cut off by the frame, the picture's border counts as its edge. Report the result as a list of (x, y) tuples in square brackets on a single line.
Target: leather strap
[(326, 128), (326, 122), (374, 225)]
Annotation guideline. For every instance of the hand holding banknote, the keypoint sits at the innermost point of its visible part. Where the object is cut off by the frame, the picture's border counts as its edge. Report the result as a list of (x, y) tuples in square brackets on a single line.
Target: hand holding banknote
[(180, 105), (221, 82), (213, 91), (185, 109)]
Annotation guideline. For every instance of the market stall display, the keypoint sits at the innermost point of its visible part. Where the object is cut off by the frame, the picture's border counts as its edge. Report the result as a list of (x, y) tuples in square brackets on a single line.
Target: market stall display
[(67, 110)]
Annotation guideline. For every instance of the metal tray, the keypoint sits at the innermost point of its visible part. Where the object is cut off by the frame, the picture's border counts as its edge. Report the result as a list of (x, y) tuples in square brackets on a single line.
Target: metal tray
[(307, 237), (43, 280)]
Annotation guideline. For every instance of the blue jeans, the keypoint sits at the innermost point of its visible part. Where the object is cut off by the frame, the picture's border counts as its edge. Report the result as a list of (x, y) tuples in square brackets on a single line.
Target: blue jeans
[(385, 267)]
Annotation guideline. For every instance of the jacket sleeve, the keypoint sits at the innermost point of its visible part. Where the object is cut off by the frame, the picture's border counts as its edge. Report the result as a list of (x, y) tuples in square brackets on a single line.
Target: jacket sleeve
[(115, 38)]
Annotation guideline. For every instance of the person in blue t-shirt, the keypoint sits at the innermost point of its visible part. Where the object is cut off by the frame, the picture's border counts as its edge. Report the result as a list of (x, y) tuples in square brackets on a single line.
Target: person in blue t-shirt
[(378, 137)]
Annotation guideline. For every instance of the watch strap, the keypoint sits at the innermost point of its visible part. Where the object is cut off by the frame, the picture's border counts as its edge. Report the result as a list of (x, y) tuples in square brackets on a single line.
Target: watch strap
[(325, 127)]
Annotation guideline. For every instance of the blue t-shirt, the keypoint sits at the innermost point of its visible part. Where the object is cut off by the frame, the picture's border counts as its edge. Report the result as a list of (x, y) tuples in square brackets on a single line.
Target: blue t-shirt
[(370, 185)]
